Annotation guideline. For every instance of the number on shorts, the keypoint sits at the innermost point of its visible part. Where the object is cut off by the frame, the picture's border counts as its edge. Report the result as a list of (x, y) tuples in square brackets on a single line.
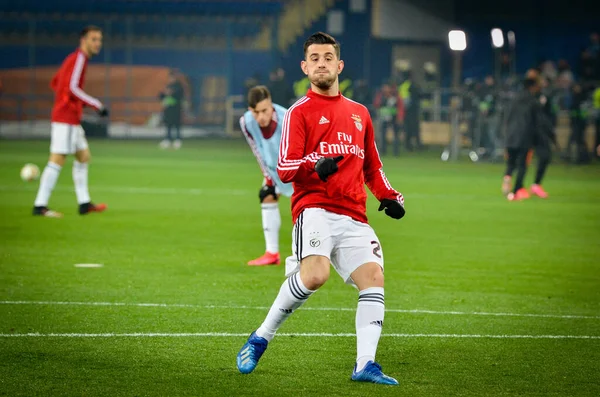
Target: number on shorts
[(376, 249)]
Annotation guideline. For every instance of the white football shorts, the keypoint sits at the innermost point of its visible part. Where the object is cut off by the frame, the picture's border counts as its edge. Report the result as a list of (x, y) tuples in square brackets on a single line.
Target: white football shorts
[(347, 243), (67, 138)]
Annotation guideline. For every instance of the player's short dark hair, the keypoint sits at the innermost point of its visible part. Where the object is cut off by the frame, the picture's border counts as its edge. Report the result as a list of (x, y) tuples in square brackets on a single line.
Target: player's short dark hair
[(87, 29), (258, 94), (322, 38)]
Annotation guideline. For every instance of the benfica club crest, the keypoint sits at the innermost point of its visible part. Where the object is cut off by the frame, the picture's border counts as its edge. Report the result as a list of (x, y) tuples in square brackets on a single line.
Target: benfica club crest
[(357, 121)]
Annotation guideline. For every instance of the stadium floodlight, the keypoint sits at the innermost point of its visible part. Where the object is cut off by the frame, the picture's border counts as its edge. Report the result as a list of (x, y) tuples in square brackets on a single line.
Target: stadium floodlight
[(457, 40), (512, 43), (497, 38), (511, 38)]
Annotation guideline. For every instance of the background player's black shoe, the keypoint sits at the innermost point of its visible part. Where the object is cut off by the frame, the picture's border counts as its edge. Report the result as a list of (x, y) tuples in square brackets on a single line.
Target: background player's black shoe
[(44, 211), (91, 207)]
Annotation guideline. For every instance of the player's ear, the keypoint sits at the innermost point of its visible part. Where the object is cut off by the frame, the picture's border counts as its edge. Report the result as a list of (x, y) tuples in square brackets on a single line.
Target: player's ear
[(340, 66), (304, 68)]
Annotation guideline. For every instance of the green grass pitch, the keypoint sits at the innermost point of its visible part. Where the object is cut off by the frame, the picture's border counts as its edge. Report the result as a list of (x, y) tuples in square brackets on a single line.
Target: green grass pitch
[(466, 272)]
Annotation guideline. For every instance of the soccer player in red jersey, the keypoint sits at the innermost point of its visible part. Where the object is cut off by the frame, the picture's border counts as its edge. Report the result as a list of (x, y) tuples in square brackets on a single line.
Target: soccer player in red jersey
[(67, 136), (328, 152)]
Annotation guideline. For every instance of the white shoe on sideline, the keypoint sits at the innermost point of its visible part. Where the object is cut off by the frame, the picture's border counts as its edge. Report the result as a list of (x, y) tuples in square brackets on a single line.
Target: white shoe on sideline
[(177, 144), (165, 144)]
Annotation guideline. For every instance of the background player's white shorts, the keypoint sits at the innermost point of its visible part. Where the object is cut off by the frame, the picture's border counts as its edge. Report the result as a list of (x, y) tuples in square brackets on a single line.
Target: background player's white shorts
[(347, 243), (67, 138)]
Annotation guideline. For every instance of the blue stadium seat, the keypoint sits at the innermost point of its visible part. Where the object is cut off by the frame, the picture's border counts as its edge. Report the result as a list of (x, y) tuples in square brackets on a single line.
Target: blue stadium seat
[(212, 22), (10, 25), (118, 27), (182, 7)]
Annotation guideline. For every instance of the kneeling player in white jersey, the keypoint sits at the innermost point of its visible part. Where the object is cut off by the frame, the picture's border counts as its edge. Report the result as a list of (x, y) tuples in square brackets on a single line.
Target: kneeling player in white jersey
[(261, 126)]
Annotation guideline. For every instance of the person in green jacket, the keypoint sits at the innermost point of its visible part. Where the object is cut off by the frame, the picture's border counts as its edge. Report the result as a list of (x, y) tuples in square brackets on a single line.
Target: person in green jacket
[(301, 87), (410, 93), (596, 102)]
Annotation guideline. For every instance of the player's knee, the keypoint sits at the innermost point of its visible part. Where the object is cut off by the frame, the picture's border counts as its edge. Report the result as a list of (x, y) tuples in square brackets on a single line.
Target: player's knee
[(315, 279), (368, 275), (374, 276), (58, 159), (83, 156), (314, 271), (377, 277), (546, 157), (268, 200)]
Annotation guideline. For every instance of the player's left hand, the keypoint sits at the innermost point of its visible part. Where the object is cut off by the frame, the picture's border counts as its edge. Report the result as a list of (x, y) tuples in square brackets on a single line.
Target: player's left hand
[(393, 209)]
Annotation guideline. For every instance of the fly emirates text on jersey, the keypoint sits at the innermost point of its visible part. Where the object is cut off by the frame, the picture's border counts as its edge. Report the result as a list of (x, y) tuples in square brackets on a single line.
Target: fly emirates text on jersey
[(345, 146)]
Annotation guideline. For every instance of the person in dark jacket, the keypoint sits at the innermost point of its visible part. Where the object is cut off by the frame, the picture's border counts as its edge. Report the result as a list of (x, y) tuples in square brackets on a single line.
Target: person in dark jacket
[(470, 107), (410, 93), (489, 115), (172, 100), (281, 90), (390, 110), (526, 127), (578, 125), (596, 108), (543, 142)]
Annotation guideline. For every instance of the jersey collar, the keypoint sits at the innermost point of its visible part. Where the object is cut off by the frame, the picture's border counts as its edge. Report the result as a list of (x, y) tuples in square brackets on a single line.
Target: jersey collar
[(312, 94)]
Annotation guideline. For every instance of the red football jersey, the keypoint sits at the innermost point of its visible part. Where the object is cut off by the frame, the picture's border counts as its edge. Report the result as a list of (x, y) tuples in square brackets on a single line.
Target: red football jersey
[(328, 126), (67, 85)]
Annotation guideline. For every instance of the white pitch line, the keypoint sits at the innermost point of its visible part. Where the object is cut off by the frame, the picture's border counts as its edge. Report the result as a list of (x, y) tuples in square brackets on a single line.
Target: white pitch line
[(305, 335), (408, 311), (88, 265), (201, 192), (142, 190)]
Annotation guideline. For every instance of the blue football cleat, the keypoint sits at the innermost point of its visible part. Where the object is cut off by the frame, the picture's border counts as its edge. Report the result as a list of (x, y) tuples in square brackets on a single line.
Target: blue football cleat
[(253, 349), (372, 373)]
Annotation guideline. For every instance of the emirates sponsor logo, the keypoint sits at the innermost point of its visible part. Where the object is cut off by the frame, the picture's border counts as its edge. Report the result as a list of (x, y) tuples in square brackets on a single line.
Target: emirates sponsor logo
[(344, 146)]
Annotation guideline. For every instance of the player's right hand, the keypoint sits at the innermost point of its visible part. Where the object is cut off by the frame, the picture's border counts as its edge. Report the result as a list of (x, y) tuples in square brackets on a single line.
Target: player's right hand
[(327, 166), (103, 112)]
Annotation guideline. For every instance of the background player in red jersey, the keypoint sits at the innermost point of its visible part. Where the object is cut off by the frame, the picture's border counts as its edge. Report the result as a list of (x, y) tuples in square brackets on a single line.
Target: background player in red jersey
[(67, 136), (328, 152)]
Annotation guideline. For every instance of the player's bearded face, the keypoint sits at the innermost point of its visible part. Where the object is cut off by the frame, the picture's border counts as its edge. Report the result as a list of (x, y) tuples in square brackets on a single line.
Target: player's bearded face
[(93, 42), (322, 65)]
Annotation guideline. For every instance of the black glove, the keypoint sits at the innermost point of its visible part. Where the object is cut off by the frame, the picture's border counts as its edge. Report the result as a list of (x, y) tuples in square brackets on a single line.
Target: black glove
[(103, 112), (265, 191), (393, 208), (327, 166)]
